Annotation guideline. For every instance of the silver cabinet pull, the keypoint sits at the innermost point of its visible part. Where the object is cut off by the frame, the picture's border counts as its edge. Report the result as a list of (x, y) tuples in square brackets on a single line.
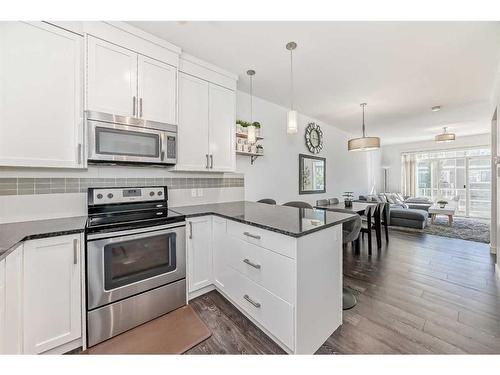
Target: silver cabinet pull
[(256, 304), (207, 161), (251, 264), (79, 153), (75, 251), (140, 107), (190, 230), (211, 161), (133, 105), (248, 234)]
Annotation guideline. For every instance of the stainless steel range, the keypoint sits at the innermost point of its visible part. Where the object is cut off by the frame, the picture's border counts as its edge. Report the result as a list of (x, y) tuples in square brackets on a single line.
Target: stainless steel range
[(136, 261)]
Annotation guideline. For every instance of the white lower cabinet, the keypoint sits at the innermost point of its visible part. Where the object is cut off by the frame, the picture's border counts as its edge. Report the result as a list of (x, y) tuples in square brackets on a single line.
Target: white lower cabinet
[(2, 304), (52, 293), (290, 287), (199, 252), (12, 334)]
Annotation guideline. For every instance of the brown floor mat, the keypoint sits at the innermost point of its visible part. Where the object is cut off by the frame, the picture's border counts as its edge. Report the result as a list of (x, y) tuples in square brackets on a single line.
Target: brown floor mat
[(173, 333)]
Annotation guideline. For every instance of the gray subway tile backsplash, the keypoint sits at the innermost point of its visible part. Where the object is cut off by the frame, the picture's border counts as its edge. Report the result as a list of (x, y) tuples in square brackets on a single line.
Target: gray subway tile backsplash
[(58, 185)]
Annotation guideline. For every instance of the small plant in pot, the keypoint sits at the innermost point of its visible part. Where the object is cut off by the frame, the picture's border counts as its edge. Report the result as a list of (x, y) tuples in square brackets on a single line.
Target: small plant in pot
[(348, 197), (442, 203), (260, 149), (257, 128)]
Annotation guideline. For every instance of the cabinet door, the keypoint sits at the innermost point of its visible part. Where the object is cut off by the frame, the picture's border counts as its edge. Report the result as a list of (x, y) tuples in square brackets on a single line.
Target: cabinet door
[(199, 252), (157, 90), (2, 305), (220, 247), (52, 293), (193, 123), (222, 128), (112, 78), (13, 340), (41, 95)]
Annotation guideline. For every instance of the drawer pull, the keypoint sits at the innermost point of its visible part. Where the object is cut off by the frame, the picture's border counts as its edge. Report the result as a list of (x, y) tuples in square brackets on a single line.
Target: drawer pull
[(252, 264), (256, 304), (248, 234)]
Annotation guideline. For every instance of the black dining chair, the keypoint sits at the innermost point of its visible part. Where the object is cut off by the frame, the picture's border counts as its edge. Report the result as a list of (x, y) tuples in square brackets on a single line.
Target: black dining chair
[(333, 201), (267, 201), (381, 216), (367, 226), (297, 204)]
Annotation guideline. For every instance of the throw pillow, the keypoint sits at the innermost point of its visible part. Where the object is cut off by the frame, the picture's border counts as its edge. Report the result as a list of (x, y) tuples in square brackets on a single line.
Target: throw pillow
[(390, 198), (382, 198)]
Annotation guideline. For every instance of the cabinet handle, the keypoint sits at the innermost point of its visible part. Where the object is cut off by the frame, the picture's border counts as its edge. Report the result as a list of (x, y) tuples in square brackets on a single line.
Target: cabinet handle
[(211, 161), (75, 251), (190, 230), (248, 234), (140, 107), (207, 161), (256, 304), (133, 105), (252, 264), (79, 153)]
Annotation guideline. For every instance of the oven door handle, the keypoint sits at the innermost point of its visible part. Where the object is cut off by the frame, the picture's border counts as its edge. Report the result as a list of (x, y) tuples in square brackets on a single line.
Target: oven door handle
[(146, 231)]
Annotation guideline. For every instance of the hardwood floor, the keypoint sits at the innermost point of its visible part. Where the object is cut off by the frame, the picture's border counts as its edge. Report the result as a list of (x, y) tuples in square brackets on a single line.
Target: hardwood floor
[(421, 294)]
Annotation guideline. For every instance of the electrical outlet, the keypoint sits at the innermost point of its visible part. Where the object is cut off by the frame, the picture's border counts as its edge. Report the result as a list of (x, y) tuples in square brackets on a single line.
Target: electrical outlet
[(193, 192), (200, 192)]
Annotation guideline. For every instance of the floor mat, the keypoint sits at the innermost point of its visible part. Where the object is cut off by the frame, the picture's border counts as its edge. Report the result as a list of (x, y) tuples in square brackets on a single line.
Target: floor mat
[(464, 228), (173, 333)]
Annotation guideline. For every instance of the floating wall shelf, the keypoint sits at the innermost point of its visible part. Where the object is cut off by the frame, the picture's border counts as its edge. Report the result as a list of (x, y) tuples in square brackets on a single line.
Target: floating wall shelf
[(253, 155)]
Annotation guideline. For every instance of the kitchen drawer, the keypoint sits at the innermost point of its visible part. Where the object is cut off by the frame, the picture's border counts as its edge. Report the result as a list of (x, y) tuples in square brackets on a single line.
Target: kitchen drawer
[(275, 314), (279, 243), (271, 270)]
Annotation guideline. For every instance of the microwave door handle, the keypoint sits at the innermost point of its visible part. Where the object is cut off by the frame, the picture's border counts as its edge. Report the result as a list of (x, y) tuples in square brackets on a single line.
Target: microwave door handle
[(162, 151)]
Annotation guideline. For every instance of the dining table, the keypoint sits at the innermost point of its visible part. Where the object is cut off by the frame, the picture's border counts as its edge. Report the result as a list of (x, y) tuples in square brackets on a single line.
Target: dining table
[(361, 208)]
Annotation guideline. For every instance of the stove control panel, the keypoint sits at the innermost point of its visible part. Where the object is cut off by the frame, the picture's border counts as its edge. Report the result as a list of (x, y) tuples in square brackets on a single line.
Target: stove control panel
[(98, 196)]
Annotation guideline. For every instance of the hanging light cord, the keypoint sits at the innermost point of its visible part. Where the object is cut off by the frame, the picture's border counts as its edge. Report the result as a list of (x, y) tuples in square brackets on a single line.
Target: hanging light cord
[(291, 80), (363, 105), (251, 100)]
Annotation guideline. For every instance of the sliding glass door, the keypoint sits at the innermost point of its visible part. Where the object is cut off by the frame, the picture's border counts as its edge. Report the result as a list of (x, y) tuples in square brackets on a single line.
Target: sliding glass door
[(461, 177)]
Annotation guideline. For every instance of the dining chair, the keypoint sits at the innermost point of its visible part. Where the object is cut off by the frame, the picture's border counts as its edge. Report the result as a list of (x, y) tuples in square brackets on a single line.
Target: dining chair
[(333, 201), (267, 201), (297, 204), (322, 202), (380, 218), (367, 225)]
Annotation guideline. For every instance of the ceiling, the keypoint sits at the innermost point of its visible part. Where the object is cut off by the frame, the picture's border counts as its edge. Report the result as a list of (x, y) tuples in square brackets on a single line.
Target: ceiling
[(401, 69)]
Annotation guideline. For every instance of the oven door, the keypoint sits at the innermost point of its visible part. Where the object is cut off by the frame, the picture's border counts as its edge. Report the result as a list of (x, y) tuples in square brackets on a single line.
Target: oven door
[(125, 143), (134, 261)]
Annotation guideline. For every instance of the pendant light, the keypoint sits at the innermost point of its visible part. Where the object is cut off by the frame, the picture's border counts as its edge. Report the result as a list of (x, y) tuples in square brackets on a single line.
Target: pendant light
[(252, 139), (292, 123), (364, 143), (445, 136)]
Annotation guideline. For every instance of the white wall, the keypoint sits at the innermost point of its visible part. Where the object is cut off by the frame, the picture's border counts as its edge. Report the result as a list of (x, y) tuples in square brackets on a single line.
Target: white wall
[(391, 155), (276, 174)]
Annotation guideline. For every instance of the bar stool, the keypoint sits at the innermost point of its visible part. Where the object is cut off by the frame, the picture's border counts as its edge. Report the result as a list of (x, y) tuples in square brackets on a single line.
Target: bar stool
[(267, 201)]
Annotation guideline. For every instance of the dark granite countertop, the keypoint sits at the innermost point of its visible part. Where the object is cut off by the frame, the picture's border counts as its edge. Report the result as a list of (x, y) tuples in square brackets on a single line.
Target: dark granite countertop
[(11, 234), (290, 221)]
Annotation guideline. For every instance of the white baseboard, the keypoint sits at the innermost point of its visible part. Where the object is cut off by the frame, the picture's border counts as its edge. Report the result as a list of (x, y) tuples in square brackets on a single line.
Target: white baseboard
[(201, 291)]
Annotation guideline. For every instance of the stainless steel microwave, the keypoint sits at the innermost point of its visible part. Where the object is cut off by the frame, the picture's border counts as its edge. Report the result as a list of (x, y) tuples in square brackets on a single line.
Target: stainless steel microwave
[(121, 139)]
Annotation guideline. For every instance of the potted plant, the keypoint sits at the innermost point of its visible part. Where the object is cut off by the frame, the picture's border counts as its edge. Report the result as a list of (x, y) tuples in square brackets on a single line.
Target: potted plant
[(260, 149), (348, 196), (442, 203), (240, 125), (257, 128)]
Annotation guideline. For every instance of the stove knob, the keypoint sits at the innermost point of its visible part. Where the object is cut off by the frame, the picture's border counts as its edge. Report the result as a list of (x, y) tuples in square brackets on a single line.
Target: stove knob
[(160, 193), (151, 193), (110, 195), (99, 196)]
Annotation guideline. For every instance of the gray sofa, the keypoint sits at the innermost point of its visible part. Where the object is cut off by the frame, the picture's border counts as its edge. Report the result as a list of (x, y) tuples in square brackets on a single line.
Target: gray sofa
[(409, 212)]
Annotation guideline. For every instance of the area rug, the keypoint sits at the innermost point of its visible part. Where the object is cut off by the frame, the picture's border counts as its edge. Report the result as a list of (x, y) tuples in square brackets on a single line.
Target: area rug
[(464, 228), (173, 333)]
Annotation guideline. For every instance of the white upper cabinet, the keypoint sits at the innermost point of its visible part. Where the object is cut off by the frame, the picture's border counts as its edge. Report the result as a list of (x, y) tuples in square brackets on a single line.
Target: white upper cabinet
[(157, 90), (193, 123), (123, 82), (41, 96), (52, 293), (112, 78), (222, 128)]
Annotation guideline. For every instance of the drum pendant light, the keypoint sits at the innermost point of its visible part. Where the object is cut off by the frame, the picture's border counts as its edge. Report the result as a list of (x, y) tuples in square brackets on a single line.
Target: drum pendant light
[(445, 136), (364, 143), (292, 123), (251, 129)]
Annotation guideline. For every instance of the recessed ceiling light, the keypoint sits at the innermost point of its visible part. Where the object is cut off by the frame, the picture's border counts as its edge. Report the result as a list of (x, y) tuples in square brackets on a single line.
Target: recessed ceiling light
[(436, 108)]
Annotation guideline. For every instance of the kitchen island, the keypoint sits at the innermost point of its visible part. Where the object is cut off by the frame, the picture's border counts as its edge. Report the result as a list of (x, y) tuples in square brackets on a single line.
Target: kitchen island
[(280, 266)]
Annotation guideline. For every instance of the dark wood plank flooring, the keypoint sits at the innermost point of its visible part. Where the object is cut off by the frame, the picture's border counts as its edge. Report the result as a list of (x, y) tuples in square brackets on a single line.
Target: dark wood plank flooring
[(421, 294)]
